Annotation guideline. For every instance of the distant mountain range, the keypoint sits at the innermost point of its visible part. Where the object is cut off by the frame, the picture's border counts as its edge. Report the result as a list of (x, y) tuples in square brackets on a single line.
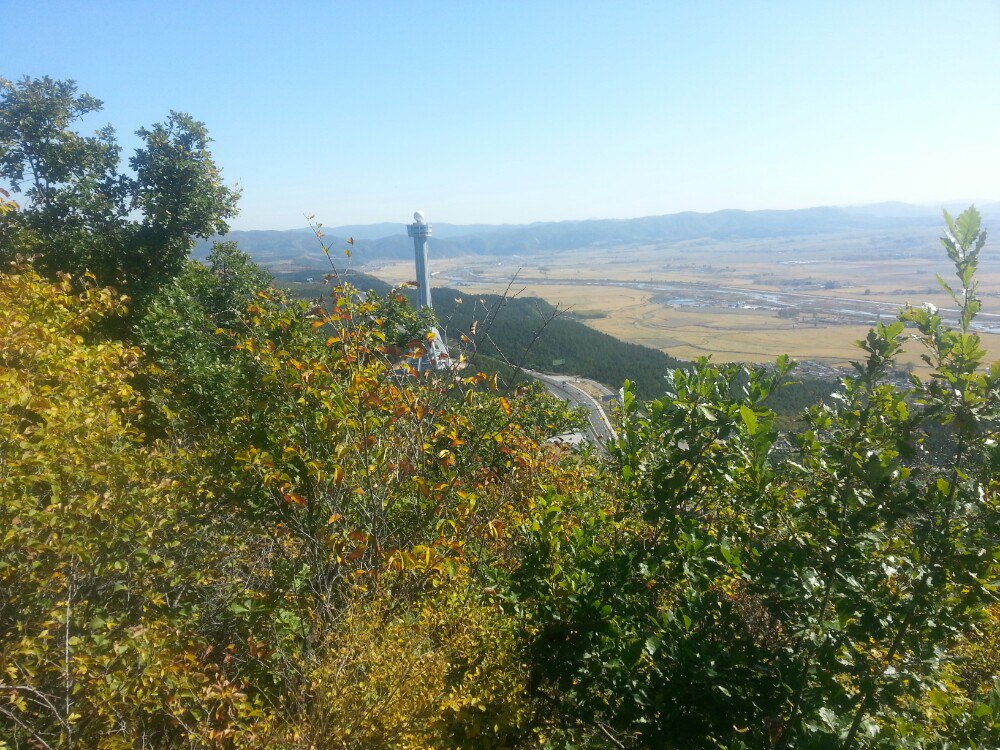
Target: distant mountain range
[(387, 241)]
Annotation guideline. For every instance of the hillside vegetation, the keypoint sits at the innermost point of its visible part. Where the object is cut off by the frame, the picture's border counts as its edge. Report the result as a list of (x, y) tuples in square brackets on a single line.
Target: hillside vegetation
[(234, 519), (527, 332)]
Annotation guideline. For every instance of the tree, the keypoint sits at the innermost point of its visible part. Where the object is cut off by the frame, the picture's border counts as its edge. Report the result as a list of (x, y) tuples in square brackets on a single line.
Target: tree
[(133, 230), (197, 376)]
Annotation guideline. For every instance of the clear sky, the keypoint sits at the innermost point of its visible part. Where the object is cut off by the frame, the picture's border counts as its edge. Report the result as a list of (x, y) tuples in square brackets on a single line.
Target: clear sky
[(524, 111)]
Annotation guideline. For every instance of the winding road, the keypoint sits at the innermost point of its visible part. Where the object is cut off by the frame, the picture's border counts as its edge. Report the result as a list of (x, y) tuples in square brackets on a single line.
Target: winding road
[(599, 429)]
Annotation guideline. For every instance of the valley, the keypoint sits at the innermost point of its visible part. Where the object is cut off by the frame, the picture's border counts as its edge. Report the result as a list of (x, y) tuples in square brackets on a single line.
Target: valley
[(812, 297)]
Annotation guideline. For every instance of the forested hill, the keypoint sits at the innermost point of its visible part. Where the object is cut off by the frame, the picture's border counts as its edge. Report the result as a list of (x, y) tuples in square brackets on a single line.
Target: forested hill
[(387, 240)]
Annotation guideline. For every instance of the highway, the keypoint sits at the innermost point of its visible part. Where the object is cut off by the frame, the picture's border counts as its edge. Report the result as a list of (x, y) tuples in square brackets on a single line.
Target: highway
[(599, 430)]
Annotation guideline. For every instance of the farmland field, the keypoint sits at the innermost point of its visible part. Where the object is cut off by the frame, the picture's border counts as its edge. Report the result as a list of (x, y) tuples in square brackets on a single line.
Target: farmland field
[(749, 300)]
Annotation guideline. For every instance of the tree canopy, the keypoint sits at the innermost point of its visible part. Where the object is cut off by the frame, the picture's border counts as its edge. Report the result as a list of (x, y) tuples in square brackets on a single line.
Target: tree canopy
[(82, 213)]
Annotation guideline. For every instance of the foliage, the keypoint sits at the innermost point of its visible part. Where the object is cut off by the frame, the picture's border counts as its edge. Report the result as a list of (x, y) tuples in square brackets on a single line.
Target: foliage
[(351, 489), (192, 364), (83, 215), (12, 236), (98, 565), (403, 327), (734, 600), (443, 676)]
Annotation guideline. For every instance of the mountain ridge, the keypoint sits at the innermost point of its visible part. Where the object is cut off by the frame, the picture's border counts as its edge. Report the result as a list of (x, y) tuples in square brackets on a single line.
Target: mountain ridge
[(302, 248)]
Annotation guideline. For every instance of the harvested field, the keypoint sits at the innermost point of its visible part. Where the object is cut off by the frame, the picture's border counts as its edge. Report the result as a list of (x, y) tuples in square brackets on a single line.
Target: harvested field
[(748, 301)]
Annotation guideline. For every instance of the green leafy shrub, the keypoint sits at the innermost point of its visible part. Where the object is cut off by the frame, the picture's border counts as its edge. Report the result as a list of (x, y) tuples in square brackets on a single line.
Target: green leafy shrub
[(733, 597)]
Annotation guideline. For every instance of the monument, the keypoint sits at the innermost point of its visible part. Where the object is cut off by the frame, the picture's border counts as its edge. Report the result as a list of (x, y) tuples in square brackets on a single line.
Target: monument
[(436, 355)]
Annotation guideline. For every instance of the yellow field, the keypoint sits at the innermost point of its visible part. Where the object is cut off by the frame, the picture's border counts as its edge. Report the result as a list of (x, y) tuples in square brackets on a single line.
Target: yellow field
[(727, 335), (688, 331)]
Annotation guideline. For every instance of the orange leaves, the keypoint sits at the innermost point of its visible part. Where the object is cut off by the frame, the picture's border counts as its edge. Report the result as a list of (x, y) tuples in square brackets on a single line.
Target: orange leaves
[(294, 498), (257, 649), (363, 382)]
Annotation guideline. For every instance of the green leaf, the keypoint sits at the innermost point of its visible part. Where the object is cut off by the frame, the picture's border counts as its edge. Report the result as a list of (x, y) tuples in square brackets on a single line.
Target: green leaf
[(967, 224), (982, 710)]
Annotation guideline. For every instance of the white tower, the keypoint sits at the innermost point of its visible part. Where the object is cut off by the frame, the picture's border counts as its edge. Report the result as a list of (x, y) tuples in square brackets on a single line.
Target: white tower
[(436, 357)]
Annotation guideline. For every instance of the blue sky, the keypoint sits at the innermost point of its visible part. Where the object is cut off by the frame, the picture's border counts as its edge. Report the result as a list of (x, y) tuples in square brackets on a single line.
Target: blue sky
[(527, 111)]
